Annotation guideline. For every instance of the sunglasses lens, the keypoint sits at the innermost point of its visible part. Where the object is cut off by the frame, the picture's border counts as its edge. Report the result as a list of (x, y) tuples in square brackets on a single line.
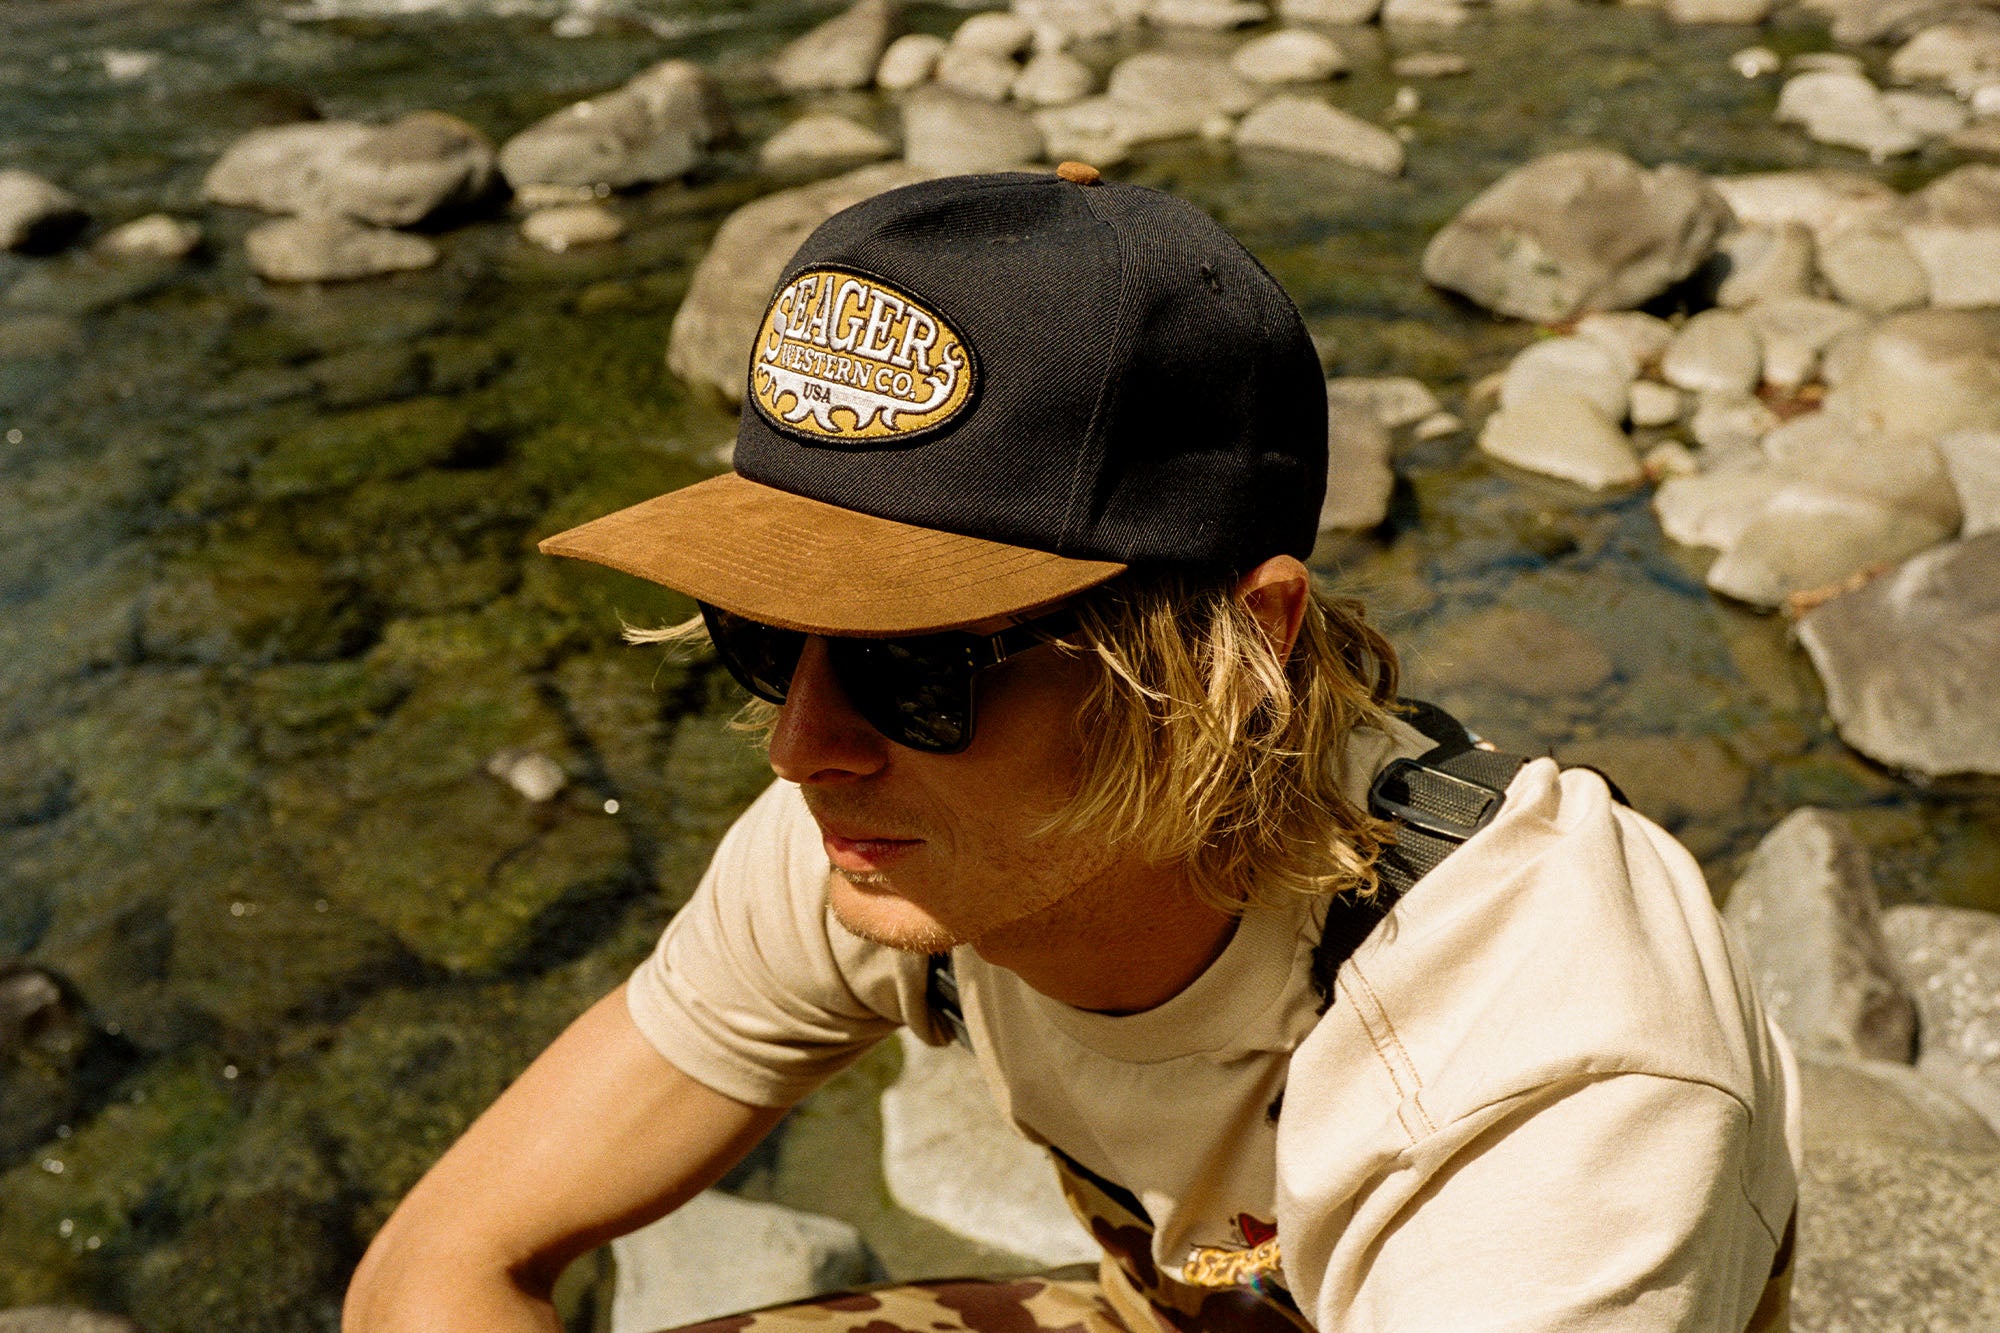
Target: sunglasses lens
[(760, 657), (917, 691)]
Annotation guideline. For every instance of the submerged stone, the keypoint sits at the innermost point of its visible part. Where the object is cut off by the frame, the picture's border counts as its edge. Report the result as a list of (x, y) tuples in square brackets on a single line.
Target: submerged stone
[(338, 452), (654, 128), (326, 248), (1577, 231)]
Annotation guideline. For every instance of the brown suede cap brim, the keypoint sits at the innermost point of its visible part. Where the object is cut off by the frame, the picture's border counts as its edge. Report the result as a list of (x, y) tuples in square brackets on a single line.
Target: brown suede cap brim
[(802, 564)]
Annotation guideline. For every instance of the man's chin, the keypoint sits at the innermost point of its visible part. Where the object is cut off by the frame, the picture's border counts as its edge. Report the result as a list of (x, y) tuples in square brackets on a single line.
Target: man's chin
[(866, 906)]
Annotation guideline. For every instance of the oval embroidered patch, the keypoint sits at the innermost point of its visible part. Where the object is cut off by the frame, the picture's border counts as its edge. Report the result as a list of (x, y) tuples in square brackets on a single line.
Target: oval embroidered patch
[(849, 358)]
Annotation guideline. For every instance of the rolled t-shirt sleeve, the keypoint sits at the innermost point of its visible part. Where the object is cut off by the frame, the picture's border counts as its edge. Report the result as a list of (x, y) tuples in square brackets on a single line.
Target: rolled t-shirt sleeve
[(755, 990), (1615, 1202)]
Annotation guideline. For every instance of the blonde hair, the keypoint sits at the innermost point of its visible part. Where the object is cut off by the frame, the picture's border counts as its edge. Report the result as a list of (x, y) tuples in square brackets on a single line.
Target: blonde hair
[(1201, 748)]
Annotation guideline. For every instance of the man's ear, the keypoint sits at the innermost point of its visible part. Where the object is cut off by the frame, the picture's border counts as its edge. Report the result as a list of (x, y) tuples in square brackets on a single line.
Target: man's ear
[(1276, 593)]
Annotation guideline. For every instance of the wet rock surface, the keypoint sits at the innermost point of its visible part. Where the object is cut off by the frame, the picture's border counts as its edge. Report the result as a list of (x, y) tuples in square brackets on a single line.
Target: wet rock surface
[(326, 248), (1806, 910), (656, 127), (1950, 960), (717, 1255), (1909, 660), (1576, 232)]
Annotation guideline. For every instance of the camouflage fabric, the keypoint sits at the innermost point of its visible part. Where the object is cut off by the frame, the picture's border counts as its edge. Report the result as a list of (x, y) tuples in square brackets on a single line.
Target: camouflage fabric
[(1041, 1304), (1220, 1291)]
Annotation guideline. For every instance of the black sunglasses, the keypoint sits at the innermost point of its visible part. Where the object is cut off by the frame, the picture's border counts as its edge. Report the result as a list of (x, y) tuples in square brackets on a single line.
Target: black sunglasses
[(918, 691)]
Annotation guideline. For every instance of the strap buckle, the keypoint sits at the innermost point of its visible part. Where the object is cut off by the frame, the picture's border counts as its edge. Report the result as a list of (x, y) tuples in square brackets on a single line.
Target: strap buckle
[(1390, 794)]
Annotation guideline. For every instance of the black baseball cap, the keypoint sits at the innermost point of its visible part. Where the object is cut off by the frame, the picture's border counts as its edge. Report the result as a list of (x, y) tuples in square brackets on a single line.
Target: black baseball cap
[(980, 395)]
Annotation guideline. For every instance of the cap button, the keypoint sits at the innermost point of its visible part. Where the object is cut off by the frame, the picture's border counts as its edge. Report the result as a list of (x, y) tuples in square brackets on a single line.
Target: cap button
[(1080, 173)]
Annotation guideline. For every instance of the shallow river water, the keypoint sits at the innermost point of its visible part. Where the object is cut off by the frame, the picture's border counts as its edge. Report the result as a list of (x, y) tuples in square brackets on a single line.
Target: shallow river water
[(269, 604)]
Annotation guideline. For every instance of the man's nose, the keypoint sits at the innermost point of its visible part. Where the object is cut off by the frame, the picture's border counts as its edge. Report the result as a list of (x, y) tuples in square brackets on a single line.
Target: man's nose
[(819, 737)]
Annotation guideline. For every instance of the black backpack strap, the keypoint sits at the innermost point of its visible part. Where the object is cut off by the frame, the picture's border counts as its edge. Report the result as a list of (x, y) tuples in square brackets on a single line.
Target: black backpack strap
[(1436, 802), (941, 994)]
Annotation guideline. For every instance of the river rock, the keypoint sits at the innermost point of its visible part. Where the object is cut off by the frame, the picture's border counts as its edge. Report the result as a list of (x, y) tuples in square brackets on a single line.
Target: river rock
[(1766, 263), (1714, 507), (1956, 237), (1394, 400), (717, 1255), (1429, 65), (1880, 1101), (1576, 231), (1358, 475), (1873, 270), (1718, 11), (717, 321), (1656, 404), (1152, 96), (1715, 352), (1846, 110), (1827, 450), (1806, 911), (908, 61), (1290, 55), (1911, 662), (63, 1319), (1523, 652), (978, 74), (1425, 13), (1812, 537), (1207, 15), (655, 128), (1562, 435), (1638, 337), (572, 225), (948, 134), (1923, 374), (1793, 331), (1196, 86), (841, 52), (45, 1040), (403, 172), (1668, 778), (283, 169), (155, 236), (1972, 461), (949, 1155), (323, 248), (1932, 115), (1729, 419), (1827, 202), (1898, 1240), (822, 141), (1949, 958), (1057, 23), (1307, 125), (1574, 365), (36, 214), (995, 33), (1054, 78), (1949, 52), (1342, 12)]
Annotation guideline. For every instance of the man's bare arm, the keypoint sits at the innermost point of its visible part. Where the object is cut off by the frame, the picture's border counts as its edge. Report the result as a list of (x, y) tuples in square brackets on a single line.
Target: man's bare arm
[(598, 1136)]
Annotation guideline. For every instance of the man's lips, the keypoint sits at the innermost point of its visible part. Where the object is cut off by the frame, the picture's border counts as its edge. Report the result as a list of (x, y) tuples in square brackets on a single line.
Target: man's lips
[(866, 855)]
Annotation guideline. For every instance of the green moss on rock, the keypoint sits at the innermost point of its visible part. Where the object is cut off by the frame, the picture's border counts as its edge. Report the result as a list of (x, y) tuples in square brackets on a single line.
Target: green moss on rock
[(338, 452)]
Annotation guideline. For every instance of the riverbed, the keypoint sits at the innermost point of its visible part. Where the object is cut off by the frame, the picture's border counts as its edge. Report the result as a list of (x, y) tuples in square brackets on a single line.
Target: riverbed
[(272, 608)]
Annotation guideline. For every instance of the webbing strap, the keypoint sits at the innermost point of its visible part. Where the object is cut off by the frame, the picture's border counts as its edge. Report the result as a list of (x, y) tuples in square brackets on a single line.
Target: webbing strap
[(1436, 802)]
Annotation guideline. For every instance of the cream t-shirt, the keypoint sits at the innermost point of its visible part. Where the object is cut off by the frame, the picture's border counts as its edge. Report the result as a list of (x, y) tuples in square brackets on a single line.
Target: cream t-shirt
[(1545, 1096)]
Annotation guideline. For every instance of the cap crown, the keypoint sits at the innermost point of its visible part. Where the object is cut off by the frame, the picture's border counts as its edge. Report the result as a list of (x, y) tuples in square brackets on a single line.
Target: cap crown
[(1112, 376)]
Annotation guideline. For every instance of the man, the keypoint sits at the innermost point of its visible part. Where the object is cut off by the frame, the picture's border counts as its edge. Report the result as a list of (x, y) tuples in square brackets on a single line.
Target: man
[(1074, 762)]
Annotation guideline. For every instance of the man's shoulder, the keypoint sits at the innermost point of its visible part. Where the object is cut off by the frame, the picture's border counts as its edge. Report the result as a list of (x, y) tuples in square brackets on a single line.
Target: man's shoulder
[(1569, 937)]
